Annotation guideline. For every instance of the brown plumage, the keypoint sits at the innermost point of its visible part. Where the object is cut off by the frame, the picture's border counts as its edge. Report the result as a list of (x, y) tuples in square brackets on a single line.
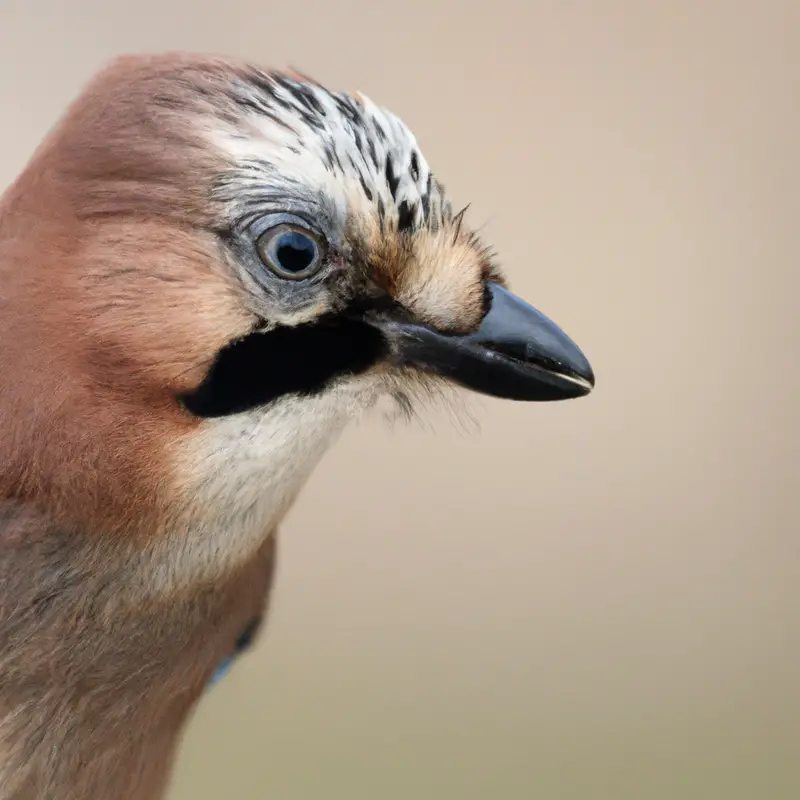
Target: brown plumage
[(165, 395)]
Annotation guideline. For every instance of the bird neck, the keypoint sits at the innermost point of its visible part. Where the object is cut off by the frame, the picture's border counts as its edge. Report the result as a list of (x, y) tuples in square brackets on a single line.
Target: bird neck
[(239, 476)]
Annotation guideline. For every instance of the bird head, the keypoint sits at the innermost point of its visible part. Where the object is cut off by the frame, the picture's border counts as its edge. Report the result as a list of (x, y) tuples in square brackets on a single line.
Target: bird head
[(213, 266)]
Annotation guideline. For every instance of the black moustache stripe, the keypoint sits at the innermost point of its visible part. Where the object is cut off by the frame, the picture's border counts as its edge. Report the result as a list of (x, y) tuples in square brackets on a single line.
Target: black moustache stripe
[(298, 360)]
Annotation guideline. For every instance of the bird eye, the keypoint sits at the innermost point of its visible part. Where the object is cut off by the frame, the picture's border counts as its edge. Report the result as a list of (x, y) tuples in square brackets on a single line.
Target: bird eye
[(290, 252)]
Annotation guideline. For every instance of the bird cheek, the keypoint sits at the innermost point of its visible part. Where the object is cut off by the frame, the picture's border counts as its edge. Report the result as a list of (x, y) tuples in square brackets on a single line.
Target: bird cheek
[(298, 305), (301, 316)]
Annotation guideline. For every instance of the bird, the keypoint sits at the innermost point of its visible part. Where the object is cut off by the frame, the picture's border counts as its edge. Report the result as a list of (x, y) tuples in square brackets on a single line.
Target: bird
[(208, 269)]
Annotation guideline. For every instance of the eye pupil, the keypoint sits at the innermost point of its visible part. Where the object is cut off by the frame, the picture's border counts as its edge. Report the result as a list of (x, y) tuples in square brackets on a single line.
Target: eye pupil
[(293, 251)]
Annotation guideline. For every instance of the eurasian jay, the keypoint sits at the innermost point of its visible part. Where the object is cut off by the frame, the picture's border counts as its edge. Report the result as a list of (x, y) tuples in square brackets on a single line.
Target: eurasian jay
[(206, 270)]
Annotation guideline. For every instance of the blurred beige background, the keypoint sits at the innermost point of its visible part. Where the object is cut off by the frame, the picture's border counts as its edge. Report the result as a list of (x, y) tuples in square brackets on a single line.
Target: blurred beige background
[(597, 599)]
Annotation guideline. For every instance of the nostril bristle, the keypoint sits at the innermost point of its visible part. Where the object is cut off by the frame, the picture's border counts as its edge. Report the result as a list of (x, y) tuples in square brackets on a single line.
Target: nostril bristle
[(487, 299)]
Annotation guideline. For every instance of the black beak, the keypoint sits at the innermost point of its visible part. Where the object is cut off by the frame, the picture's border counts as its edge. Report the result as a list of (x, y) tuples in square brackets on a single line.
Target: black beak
[(517, 353)]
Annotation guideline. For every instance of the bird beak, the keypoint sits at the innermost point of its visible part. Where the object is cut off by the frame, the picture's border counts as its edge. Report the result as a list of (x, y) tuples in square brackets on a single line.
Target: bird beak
[(517, 353)]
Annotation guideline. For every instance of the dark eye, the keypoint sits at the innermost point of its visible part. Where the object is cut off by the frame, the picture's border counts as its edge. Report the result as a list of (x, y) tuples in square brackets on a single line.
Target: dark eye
[(290, 252)]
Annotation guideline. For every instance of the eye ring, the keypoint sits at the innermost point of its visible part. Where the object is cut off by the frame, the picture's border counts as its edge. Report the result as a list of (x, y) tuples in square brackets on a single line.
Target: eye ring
[(291, 252)]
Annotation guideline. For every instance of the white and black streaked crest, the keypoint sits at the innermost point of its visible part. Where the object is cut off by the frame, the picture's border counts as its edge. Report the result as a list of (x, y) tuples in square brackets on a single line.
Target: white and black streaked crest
[(310, 138)]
